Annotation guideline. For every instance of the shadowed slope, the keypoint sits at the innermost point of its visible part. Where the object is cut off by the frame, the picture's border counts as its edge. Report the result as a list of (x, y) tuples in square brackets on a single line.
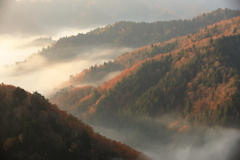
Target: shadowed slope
[(32, 128)]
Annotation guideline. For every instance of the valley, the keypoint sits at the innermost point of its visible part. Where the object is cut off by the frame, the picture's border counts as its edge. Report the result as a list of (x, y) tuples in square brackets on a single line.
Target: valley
[(119, 80)]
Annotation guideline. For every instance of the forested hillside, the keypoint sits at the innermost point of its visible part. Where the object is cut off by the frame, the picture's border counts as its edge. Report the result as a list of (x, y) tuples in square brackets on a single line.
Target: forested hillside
[(131, 34), (127, 60), (32, 128), (195, 81)]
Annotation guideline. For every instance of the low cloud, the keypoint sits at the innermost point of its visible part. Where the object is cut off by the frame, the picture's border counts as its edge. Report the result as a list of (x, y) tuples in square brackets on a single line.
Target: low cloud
[(213, 144), (97, 82), (218, 144), (37, 74)]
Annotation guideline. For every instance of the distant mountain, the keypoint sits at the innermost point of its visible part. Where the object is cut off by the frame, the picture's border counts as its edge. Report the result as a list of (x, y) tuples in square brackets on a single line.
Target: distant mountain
[(131, 34), (132, 37), (184, 7), (194, 78), (39, 42), (55, 14), (134, 10), (32, 128), (14, 22), (213, 4), (180, 7), (62, 14)]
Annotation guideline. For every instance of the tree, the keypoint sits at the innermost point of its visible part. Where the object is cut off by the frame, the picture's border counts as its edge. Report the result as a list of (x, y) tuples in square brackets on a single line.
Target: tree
[(20, 94), (211, 41), (188, 106), (86, 141)]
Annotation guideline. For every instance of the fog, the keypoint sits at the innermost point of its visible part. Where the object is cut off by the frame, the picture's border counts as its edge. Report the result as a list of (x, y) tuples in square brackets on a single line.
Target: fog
[(215, 143), (37, 74), (219, 144), (9, 55), (94, 82), (197, 142)]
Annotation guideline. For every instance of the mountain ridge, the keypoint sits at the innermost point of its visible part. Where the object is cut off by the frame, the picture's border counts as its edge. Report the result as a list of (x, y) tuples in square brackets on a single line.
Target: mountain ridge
[(128, 59), (32, 128), (130, 34)]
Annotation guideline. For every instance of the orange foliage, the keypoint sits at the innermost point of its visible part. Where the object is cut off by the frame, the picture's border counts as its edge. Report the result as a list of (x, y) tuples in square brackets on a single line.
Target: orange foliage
[(190, 86), (223, 28), (85, 98), (183, 129), (66, 99), (172, 125), (9, 143), (111, 83), (91, 111), (71, 126), (211, 97)]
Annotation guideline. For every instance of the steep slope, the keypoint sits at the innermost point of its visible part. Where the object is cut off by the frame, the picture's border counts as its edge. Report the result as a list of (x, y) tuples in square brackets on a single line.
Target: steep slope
[(197, 83), (32, 128)]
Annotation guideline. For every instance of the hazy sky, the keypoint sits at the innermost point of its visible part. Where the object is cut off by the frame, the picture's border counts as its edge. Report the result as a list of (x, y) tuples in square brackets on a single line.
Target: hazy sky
[(37, 74)]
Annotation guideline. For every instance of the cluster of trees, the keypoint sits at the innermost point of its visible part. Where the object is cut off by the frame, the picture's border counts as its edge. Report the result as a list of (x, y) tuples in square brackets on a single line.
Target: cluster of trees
[(32, 128)]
